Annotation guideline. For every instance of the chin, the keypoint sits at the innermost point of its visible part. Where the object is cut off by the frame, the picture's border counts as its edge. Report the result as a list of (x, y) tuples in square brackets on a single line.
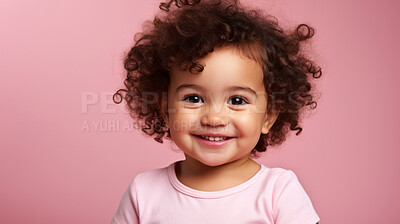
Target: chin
[(213, 162)]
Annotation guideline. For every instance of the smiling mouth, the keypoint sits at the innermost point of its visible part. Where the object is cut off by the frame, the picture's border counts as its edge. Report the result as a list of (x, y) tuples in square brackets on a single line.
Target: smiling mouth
[(214, 138)]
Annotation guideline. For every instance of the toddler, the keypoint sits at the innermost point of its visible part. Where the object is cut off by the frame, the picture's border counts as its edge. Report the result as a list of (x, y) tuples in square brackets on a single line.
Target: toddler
[(222, 83)]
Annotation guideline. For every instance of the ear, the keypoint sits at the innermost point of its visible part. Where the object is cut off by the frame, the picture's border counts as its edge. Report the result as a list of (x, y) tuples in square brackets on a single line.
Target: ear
[(269, 120)]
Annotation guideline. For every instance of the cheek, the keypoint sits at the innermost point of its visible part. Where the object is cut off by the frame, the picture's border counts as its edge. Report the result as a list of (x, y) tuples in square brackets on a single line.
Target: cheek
[(249, 124), (182, 122)]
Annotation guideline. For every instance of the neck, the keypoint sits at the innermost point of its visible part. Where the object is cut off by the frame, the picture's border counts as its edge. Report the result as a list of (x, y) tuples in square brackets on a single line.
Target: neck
[(199, 176), (192, 167)]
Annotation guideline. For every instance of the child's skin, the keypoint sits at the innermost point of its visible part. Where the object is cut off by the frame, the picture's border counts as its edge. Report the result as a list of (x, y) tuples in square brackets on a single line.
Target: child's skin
[(212, 108)]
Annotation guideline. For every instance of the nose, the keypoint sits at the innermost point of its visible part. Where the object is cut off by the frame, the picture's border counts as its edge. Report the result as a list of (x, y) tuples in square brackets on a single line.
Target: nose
[(214, 118)]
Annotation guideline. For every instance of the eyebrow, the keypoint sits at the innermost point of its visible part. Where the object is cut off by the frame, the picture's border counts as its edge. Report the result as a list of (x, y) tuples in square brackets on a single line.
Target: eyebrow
[(230, 88)]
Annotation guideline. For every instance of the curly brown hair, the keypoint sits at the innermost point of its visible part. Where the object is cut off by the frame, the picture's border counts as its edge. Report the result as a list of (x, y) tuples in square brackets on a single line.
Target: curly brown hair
[(190, 31)]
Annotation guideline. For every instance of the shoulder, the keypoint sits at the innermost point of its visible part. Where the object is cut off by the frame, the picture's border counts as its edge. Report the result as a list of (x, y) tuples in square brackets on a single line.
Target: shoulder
[(150, 181), (284, 175), (274, 180), (290, 202), (278, 171), (150, 176), (277, 175), (283, 181)]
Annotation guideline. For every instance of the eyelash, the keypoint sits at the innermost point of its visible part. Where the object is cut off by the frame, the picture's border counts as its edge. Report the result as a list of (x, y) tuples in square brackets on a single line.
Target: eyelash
[(239, 97)]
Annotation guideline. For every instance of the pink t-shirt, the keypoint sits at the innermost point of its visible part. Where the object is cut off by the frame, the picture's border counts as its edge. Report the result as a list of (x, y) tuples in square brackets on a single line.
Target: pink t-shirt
[(272, 195)]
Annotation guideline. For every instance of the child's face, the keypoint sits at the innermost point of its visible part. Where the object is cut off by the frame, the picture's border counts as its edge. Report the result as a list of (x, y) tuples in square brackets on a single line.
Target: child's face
[(212, 102)]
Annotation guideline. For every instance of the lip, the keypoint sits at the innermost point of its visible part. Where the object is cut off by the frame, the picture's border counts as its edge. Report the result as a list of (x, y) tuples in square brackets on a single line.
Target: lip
[(215, 144), (214, 134)]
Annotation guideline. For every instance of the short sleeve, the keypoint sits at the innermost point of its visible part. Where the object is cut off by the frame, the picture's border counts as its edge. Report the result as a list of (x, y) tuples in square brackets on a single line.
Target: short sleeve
[(127, 212), (291, 204)]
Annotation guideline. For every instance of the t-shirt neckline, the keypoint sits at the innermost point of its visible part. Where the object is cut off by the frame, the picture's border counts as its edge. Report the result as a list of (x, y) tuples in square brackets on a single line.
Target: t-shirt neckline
[(211, 194)]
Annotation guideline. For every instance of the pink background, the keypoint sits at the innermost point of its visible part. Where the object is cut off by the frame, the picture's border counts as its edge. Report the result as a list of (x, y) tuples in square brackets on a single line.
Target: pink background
[(61, 61)]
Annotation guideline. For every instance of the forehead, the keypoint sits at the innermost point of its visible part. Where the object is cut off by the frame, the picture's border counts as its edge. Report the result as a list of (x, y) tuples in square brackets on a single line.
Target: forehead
[(225, 66)]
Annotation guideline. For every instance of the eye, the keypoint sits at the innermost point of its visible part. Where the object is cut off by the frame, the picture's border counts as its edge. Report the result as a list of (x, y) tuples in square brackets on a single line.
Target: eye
[(236, 100), (192, 98)]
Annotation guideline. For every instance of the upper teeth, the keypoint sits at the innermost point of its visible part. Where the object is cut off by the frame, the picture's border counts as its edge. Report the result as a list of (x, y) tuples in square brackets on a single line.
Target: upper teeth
[(211, 138)]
